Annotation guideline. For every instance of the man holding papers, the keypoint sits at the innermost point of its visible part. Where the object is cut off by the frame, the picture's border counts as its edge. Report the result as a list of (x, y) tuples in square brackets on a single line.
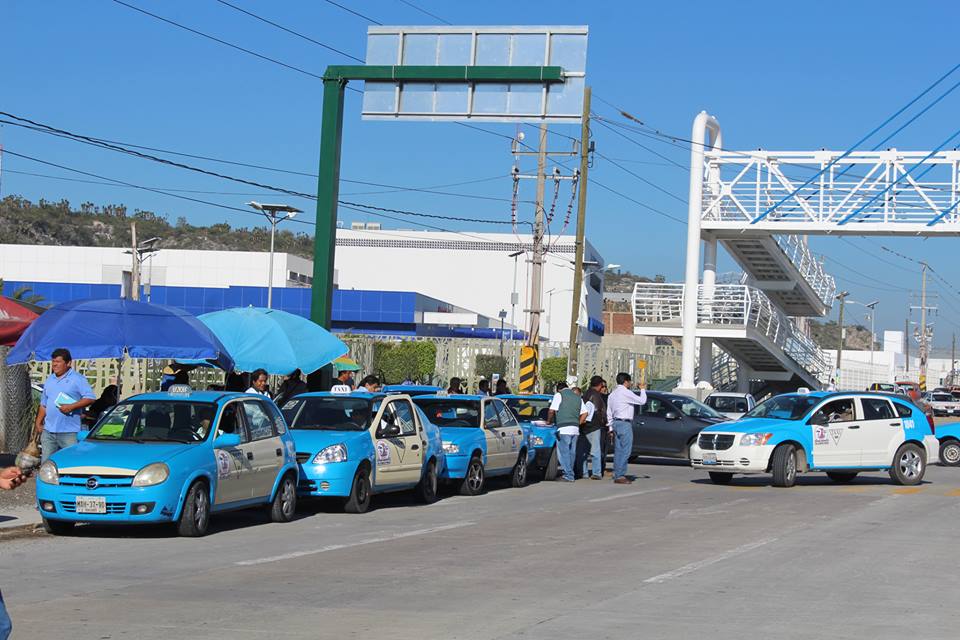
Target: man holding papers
[(65, 394)]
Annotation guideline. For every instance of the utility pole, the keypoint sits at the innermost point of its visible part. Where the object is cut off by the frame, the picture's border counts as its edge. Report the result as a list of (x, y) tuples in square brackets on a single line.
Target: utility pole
[(923, 327), (135, 267), (536, 273), (841, 297), (953, 358), (906, 343), (581, 231)]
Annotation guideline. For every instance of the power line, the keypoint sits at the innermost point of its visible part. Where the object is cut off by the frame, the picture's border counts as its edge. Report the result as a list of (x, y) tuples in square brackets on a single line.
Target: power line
[(875, 256), (641, 178), (602, 122), (424, 11), (356, 13)]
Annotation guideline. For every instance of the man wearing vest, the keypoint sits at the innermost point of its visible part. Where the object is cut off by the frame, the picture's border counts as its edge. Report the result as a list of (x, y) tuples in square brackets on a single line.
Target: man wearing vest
[(568, 412), (592, 431)]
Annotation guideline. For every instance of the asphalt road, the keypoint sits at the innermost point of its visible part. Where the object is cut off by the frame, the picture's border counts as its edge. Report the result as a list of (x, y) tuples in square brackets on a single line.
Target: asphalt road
[(671, 556)]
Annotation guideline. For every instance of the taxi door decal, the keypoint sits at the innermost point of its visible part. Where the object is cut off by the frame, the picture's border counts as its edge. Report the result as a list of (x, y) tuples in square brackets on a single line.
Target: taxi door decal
[(228, 463), (384, 453)]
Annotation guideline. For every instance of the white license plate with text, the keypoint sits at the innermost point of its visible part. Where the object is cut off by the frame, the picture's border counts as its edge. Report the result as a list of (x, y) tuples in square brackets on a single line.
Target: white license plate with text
[(90, 504), (709, 458)]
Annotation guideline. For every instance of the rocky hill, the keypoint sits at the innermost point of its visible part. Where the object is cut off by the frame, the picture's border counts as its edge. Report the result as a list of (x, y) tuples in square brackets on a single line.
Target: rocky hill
[(827, 335)]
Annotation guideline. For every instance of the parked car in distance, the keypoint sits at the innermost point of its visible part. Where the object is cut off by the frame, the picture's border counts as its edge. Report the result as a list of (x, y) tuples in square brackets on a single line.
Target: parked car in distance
[(355, 445), (883, 387), (942, 403), (729, 404), (173, 457), (841, 433), (669, 423), (531, 411)]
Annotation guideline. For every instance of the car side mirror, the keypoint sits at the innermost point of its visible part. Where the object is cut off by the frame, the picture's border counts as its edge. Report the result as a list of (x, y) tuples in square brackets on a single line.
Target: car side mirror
[(226, 441), (818, 419), (672, 415), (388, 431)]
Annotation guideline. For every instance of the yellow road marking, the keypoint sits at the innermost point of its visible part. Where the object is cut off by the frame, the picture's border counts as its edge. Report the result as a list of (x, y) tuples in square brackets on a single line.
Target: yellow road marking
[(954, 493), (908, 490)]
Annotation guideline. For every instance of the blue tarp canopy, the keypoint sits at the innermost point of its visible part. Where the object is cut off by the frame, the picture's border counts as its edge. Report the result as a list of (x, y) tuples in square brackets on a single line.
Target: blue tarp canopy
[(274, 340), (114, 328)]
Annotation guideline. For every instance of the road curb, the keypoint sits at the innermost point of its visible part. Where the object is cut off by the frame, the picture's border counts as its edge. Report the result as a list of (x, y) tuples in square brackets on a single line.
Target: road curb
[(15, 532)]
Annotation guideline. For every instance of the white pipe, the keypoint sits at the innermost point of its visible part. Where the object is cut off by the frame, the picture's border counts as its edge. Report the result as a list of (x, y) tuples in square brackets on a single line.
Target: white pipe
[(702, 124), (709, 283)]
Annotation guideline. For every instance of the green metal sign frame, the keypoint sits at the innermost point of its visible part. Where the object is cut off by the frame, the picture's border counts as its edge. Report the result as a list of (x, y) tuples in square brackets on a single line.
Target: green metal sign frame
[(335, 81)]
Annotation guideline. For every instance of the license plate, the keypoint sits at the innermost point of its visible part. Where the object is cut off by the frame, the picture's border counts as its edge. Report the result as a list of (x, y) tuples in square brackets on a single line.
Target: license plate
[(709, 458), (91, 504)]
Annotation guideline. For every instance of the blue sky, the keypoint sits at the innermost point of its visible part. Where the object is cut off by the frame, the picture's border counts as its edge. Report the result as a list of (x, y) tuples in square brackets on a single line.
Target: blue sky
[(777, 75)]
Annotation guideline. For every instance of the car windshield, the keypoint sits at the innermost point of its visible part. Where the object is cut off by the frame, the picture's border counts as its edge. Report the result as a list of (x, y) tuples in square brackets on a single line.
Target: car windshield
[(784, 407), (451, 413), (694, 409), (156, 421), (942, 397), (727, 404), (528, 409), (329, 413)]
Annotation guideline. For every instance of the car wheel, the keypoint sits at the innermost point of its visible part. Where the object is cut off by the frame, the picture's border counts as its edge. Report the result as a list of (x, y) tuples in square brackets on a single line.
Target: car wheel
[(718, 477), (553, 464), (909, 465), (359, 500), (284, 504), (427, 487), (58, 527), (472, 484), (784, 466), (519, 477), (195, 514), (950, 453), (842, 476)]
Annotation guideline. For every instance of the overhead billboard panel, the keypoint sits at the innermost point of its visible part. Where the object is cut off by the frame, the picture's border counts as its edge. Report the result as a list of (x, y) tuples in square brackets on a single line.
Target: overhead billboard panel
[(565, 47)]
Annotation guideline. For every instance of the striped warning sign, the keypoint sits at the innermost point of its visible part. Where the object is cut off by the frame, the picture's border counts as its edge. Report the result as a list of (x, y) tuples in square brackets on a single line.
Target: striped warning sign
[(528, 369)]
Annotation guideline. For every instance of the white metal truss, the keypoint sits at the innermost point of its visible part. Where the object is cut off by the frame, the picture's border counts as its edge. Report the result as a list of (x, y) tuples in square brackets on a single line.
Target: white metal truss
[(867, 192)]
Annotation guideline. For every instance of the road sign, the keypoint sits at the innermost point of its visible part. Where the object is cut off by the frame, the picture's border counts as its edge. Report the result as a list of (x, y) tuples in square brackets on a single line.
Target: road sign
[(470, 99)]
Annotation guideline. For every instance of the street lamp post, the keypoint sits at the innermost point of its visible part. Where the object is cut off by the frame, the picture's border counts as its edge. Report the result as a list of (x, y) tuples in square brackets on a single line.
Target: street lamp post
[(514, 297), (841, 297), (873, 336), (502, 315), (271, 213)]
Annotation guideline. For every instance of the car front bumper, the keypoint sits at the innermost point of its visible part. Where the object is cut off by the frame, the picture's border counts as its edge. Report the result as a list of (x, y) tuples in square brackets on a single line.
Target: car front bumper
[(332, 479), (736, 459), (456, 467), (59, 502)]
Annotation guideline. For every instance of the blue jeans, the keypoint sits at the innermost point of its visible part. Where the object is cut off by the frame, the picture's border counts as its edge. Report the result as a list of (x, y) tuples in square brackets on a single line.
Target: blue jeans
[(623, 440), (594, 453), (5, 625), (566, 454), (53, 442)]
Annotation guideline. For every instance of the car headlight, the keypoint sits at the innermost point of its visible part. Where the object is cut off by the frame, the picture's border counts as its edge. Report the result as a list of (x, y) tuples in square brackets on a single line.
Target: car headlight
[(151, 474), (48, 473), (536, 441), (333, 453), (755, 439), (451, 447)]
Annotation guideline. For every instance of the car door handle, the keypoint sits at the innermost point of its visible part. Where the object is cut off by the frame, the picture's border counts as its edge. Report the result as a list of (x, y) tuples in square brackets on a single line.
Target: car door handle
[(894, 424), (415, 447), (279, 451), (854, 426), (249, 455)]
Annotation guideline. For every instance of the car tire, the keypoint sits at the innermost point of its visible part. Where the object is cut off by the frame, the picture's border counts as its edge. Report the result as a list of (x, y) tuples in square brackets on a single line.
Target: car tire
[(195, 514), (718, 477), (474, 478), (519, 478), (284, 503), (359, 500), (842, 476), (427, 487), (784, 466), (909, 465), (58, 527), (553, 465), (950, 453)]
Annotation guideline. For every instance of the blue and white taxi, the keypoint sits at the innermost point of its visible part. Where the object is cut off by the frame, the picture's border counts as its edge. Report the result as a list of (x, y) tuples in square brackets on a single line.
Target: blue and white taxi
[(353, 445), (949, 437), (173, 457), (481, 437), (842, 434), (531, 411)]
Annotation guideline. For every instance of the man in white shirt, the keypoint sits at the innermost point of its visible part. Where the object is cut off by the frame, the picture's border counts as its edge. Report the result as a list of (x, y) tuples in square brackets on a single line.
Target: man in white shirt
[(568, 412), (621, 406), (258, 382)]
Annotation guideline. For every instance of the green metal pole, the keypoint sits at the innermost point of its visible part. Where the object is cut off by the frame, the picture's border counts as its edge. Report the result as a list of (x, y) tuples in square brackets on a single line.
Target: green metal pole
[(328, 190)]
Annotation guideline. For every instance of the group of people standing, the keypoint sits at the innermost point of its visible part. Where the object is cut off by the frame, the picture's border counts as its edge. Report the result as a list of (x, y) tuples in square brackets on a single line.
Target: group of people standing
[(588, 422), (483, 387)]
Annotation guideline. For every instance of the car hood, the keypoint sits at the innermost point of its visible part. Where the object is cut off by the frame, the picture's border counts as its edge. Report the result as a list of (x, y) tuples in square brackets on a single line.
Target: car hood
[(313, 440), (751, 425), (91, 457)]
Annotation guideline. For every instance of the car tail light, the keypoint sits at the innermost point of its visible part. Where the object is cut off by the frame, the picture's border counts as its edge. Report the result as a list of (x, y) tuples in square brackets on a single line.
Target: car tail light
[(933, 426)]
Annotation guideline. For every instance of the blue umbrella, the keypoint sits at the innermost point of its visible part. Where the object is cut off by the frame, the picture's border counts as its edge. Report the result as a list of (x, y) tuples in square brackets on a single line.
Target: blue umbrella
[(277, 341), (115, 328)]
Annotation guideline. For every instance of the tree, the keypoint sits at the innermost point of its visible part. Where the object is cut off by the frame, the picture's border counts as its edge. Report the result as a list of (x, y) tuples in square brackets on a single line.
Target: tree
[(552, 371), (488, 364)]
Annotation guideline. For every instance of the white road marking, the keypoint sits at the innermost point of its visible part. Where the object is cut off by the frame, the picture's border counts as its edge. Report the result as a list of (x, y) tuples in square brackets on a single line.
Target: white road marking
[(696, 566), (629, 495), (358, 543), (705, 511)]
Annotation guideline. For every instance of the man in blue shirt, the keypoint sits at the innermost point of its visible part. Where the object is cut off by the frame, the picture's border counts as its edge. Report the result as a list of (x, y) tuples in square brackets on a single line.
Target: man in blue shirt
[(65, 394)]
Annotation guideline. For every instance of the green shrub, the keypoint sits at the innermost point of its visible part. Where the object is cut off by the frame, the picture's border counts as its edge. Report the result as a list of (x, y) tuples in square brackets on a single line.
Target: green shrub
[(399, 361), (488, 364), (552, 371)]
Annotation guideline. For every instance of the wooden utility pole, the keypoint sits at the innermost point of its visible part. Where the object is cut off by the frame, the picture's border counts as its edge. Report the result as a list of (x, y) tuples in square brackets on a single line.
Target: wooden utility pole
[(581, 231), (841, 297), (135, 267), (906, 343), (923, 327)]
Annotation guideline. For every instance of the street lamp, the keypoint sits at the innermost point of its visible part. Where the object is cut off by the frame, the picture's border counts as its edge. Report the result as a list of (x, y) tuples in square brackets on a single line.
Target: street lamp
[(502, 315), (141, 252), (873, 336), (841, 297), (514, 296), (271, 212)]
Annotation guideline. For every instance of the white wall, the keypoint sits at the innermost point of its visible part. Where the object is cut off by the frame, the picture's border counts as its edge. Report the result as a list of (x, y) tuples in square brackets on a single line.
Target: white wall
[(479, 279)]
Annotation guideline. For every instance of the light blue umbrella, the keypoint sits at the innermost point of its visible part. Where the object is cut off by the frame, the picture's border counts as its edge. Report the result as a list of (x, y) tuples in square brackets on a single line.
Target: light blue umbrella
[(274, 340)]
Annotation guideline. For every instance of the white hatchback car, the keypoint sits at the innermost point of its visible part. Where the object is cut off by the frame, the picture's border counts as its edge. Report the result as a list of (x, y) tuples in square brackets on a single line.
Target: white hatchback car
[(729, 404)]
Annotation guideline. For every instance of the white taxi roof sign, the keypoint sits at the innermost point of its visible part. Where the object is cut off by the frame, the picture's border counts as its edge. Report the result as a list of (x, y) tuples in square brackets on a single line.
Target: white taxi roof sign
[(179, 389), (341, 389)]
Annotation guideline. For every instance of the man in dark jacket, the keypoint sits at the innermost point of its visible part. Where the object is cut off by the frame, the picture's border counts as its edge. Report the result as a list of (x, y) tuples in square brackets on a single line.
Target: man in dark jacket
[(591, 431), (292, 385)]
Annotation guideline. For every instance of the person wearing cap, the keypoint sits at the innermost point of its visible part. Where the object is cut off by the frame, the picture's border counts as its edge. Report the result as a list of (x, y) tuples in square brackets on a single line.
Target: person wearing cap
[(568, 412)]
